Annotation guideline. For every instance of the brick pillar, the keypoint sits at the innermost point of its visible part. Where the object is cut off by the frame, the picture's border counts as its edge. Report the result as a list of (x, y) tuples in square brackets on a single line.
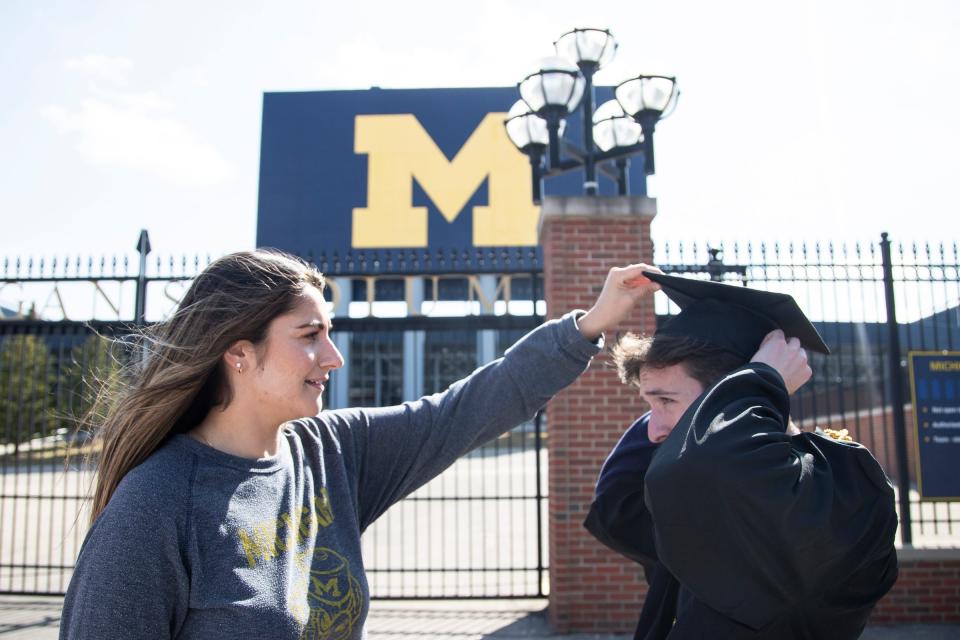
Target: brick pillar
[(591, 589)]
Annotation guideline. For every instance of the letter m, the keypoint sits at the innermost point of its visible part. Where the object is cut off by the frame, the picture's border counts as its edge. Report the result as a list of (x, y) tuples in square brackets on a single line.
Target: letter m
[(400, 150)]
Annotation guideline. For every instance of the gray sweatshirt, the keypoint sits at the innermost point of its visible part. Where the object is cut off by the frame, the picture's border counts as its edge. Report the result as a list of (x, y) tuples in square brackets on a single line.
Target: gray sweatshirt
[(199, 544)]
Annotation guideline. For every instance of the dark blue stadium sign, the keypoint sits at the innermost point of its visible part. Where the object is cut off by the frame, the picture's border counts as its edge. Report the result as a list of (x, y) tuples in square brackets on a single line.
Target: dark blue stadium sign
[(935, 385), (426, 169)]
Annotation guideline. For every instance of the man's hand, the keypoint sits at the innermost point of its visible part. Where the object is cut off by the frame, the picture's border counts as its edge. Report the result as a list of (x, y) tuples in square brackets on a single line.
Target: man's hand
[(622, 290), (787, 357)]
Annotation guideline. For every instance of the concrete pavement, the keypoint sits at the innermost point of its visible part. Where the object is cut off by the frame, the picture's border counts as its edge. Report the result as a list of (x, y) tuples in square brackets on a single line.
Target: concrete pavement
[(38, 618)]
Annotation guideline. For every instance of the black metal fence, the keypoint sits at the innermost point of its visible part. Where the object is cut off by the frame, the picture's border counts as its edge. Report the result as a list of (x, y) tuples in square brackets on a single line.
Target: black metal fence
[(476, 531), (873, 303)]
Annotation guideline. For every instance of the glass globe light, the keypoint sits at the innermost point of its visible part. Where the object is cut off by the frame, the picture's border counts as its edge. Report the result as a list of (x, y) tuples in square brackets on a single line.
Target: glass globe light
[(558, 86), (648, 95), (612, 127), (594, 47)]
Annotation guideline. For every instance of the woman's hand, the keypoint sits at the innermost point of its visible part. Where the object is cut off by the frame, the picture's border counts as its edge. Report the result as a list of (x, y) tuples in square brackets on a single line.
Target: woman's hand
[(622, 290)]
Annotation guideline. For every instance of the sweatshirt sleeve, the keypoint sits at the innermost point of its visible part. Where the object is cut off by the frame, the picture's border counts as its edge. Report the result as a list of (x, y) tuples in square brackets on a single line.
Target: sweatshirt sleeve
[(754, 521), (130, 579), (395, 450)]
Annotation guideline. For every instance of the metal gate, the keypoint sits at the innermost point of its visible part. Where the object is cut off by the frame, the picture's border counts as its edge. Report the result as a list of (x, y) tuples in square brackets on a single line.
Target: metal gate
[(476, 531)]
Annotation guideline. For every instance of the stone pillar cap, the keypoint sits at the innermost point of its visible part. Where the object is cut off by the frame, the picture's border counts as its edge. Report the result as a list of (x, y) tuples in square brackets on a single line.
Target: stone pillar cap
[(596, 207)]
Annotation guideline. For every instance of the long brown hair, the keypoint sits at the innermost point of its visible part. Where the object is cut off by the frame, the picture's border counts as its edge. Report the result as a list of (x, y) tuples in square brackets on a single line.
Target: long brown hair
[(177, 375)]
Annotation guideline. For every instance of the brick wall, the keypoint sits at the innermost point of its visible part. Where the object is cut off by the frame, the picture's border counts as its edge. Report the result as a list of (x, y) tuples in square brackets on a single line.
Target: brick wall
[(591, 588), (927, 590)]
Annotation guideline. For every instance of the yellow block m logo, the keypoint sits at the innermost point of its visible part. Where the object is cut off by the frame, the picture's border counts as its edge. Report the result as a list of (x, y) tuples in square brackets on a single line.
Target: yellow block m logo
[(399, 150)]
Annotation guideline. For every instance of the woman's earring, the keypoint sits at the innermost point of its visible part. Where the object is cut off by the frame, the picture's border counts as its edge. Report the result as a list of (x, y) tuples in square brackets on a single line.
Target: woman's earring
[(239, 368)]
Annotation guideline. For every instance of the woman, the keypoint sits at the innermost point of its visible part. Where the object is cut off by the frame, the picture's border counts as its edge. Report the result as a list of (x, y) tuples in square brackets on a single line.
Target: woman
[(220, 511)]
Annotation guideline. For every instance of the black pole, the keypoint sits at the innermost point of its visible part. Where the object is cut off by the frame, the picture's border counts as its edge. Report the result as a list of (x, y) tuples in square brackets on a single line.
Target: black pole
[(589, 167), (649, 168), (896, 392), (538, 443), (553, 130), (143, 248), (647, 119), (536, 173), (623, 178)]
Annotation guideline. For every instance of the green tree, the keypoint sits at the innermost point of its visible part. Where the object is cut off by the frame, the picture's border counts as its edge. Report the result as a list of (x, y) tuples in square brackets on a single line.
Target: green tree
[(26, 381), (92, 366)]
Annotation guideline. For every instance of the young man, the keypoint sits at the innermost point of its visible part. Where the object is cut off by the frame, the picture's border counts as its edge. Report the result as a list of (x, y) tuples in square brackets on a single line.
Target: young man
[(747, 527)]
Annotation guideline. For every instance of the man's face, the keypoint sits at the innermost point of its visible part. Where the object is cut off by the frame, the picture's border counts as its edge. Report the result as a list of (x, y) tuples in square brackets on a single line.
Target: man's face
[(669, 392)]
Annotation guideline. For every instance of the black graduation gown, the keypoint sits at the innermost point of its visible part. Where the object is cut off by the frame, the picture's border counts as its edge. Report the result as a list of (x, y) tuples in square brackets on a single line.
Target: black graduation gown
[(770, 536), (619, 519)]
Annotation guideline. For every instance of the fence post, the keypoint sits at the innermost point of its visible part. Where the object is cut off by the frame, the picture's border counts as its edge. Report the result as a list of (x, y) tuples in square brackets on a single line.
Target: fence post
[(143, 247), (896, 392), (538, 447)]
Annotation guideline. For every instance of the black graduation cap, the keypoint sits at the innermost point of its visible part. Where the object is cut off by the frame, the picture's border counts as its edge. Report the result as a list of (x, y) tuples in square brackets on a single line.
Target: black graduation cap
[(735, 319)]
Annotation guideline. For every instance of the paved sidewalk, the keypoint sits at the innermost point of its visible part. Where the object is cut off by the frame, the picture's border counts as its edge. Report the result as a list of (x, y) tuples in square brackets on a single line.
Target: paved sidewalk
[(38, 618)]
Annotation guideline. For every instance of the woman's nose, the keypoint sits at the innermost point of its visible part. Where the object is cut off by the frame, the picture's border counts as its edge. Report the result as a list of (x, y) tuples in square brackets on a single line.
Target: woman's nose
[(333, 359)]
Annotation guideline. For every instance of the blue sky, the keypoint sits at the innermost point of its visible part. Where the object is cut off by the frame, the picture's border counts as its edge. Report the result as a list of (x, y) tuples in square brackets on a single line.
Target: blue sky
[(816, 119)]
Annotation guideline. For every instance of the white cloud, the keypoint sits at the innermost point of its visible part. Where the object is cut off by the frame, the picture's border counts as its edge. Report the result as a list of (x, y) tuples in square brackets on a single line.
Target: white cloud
[(129, 136), (113, 69), (192, 78), (144, 101)]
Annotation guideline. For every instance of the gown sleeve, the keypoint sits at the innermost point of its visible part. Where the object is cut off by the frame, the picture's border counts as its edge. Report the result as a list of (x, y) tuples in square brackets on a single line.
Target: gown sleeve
[(618, 516), (755, 522), (620, 520)]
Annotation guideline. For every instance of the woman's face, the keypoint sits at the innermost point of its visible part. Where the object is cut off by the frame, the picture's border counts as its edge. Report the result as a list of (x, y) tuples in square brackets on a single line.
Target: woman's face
[(294, 362)]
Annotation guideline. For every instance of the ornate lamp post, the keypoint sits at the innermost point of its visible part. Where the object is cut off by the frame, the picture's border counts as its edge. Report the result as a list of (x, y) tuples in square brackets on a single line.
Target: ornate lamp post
[(619, 129)]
